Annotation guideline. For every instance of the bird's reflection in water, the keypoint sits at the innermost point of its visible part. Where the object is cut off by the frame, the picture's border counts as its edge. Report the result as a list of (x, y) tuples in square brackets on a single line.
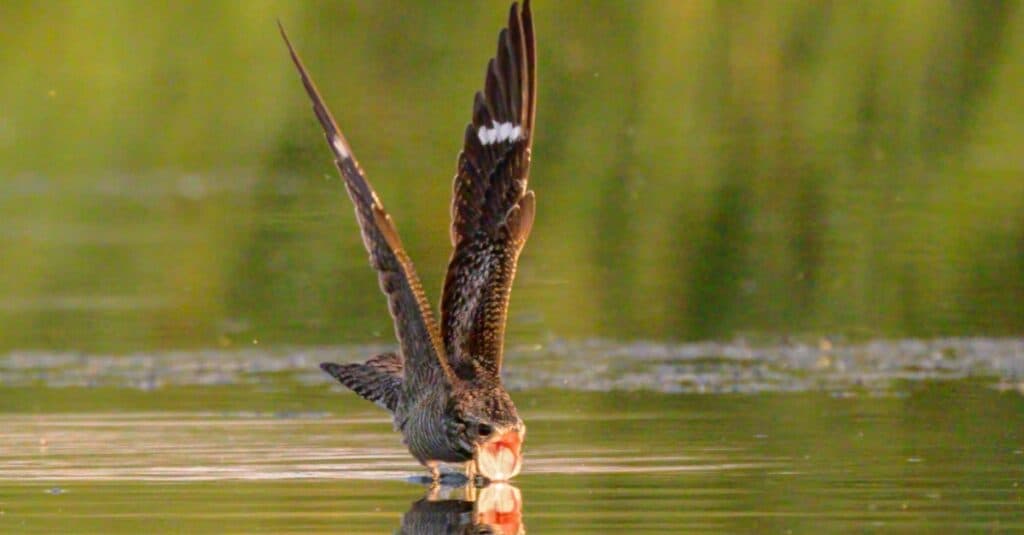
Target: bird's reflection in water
[(496, 508)]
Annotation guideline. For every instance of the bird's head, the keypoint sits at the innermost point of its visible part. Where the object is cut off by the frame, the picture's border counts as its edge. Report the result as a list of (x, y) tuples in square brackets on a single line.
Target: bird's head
[(488, 425)]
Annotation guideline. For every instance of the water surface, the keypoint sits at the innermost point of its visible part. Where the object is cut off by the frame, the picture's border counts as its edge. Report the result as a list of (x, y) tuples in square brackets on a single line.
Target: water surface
[(283, 452)]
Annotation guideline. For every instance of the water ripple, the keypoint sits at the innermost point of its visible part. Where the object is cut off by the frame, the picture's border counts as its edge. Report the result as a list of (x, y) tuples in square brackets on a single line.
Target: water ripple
[(197, 447), (589, 365)]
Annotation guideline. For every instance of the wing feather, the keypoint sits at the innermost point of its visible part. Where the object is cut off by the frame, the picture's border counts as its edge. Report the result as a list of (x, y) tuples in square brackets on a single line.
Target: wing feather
[(492, 209), (415, 327)]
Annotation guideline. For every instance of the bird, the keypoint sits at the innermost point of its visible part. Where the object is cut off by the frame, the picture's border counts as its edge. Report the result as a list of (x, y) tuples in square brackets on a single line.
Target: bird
[(443, 385)]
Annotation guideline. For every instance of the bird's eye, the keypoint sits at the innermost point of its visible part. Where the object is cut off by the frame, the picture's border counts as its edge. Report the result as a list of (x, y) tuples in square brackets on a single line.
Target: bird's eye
[(484, 430)]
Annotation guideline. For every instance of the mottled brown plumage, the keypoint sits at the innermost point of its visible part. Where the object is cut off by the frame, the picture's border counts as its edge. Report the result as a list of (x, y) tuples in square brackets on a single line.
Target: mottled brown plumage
[(444, 385)]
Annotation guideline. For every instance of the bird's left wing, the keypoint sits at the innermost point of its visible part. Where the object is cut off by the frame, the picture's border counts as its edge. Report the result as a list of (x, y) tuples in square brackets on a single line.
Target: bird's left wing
[(492, 210), (415, 327)]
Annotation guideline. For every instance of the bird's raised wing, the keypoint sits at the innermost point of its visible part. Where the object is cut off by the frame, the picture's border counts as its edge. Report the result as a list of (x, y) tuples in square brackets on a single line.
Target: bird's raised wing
[(415, 327), (492, 210)]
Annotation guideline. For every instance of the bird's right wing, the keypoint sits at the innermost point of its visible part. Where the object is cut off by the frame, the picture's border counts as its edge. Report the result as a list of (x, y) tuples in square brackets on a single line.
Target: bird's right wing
[(415, 327), (492, 207)]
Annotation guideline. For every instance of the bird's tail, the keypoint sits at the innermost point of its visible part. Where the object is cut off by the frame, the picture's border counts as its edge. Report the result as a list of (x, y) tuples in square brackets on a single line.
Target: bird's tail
[(378, 380)]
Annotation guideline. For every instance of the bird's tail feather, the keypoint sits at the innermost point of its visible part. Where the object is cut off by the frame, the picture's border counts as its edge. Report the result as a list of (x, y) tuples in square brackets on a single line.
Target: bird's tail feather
[(378, 380)]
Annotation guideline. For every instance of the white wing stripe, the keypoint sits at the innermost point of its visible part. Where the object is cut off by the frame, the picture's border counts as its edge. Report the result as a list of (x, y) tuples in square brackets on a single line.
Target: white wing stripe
[(499, 133)]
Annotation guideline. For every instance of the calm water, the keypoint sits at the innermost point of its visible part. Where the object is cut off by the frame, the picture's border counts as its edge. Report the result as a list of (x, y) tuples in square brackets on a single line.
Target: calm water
[(218, 443), (921, 458), (774, 285)]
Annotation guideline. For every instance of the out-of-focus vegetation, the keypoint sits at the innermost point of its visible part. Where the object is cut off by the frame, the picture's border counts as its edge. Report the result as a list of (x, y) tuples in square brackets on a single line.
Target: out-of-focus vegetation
[(703, 169)]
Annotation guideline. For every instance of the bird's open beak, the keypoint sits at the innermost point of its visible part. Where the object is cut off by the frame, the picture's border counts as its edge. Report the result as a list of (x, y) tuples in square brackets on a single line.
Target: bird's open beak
[(501, 458)]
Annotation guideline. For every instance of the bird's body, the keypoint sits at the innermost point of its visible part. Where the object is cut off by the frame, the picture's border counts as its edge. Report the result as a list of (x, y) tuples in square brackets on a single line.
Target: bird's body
[(443, 386)]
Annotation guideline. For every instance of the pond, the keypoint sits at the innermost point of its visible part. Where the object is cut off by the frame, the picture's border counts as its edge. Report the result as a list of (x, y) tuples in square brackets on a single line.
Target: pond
[(774, 284)]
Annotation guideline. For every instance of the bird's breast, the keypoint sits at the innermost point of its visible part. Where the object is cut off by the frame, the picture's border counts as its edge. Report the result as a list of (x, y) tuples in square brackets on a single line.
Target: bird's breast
[(425, 435)]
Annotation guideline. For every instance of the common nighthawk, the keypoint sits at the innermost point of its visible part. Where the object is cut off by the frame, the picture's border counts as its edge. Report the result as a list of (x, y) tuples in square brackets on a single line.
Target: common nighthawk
[(443, 386)]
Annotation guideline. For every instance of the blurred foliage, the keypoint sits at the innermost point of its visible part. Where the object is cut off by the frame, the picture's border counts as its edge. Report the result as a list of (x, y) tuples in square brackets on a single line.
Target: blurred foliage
[(703, 169)]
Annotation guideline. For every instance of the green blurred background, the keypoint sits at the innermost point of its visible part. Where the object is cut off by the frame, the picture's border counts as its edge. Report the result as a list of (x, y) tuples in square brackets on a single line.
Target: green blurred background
[(703, 169)]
